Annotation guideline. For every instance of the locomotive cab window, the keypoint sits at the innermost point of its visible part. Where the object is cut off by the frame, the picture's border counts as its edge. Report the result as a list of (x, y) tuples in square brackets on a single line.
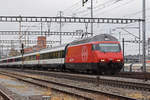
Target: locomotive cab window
[(107, 47)]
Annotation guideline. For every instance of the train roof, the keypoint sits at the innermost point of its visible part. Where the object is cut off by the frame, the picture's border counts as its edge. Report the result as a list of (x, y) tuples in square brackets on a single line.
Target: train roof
[(100, 37), (56, 48)]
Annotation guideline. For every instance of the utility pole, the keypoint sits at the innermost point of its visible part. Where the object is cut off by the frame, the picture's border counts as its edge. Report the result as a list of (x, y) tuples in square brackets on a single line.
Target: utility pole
[(22, 53), (86, 30), (49, 27), (60, 28), (144, 35), (123, 50), (0, 49), (20, 36), (139, 42), (83, 2), (91, 17), (119, 36), (11, 44), (41, 28)]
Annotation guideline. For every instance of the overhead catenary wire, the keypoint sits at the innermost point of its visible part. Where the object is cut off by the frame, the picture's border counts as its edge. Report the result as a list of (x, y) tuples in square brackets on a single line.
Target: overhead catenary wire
[(101, 6), (106, 11), (85, 10), (105, 5), (81, 10), (136, 13), (72, 6)]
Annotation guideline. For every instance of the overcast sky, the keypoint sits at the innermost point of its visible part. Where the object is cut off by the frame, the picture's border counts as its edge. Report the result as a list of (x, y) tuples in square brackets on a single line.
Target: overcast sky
[(103, 8), (33, 7)]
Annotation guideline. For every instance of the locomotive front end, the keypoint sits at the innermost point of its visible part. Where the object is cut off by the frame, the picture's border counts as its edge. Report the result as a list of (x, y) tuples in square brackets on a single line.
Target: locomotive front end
[(109, 57)]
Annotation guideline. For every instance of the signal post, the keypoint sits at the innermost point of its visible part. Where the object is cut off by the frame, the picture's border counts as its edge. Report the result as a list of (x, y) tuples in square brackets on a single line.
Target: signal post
[(22, 53)]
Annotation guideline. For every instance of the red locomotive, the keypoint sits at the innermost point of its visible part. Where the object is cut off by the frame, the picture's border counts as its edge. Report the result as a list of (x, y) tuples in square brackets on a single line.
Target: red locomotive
[(101, 54)]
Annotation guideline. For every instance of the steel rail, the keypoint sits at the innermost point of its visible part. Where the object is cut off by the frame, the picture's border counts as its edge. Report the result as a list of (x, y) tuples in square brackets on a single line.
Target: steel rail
[(5, 96)]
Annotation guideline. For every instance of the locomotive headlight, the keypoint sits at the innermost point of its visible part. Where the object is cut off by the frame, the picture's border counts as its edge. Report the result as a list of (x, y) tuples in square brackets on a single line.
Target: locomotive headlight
[(102, 60), (118, 60)]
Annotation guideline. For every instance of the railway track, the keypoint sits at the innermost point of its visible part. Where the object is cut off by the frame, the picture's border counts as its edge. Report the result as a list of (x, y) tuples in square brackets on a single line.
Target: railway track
[(134, 75), (4, 96), (88, 94), (134, 84)]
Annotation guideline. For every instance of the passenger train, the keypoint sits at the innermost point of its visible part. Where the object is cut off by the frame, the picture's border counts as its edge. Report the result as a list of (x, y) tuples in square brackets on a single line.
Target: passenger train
[(100, 54)]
